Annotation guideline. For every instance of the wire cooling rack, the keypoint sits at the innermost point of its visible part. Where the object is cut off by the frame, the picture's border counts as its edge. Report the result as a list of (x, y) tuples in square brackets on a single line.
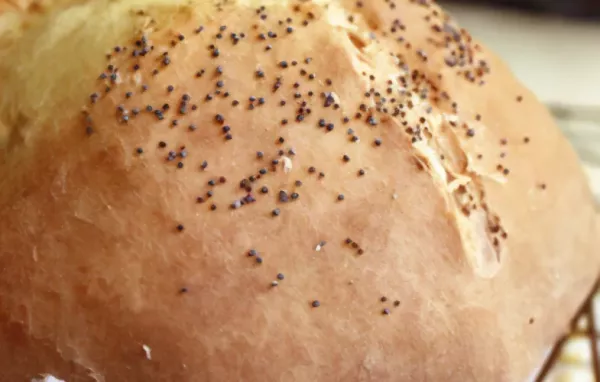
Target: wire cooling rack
[(575, 358)]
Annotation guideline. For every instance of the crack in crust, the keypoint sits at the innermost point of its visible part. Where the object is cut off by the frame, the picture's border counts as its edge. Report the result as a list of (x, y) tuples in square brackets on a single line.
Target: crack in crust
[(461, 185), (438, 149)]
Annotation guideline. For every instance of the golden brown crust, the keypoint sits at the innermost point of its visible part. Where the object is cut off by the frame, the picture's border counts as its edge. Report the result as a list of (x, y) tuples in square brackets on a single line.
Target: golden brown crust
[(112, 268)]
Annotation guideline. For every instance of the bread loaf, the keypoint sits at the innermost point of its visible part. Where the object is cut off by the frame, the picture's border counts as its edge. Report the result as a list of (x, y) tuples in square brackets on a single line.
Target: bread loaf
[(278, 191)]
